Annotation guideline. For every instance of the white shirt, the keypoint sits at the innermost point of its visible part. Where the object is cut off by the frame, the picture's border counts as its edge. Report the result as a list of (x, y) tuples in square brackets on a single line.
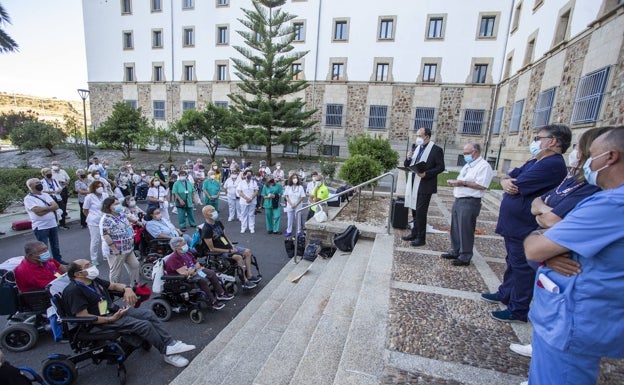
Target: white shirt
[(478, 171), (230, 187), (294, 193), (61, 177), (93, 203), (246, 189), (45, 221)]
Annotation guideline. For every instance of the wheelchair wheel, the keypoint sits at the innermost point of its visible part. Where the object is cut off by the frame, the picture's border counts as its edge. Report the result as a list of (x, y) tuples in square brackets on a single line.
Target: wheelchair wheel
[(19, 337), (162, 309), (59, 371), (196, 316), (230, 287), (146, 270)]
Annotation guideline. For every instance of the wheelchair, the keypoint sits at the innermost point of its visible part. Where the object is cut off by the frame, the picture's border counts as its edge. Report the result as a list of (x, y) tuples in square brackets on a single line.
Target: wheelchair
[(180, 294), (88, 343), (227, 269), (26, 313), (148, 250)]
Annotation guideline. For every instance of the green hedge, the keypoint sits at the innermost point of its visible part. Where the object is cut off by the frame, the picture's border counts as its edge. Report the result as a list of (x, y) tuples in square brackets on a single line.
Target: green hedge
[(13, 186)]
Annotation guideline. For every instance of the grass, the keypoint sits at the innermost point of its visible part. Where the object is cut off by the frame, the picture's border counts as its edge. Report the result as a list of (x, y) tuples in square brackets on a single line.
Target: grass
[(443, 177)]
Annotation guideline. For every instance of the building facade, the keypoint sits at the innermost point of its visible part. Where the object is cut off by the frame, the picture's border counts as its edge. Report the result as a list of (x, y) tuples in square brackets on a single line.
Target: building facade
[(490, 74)]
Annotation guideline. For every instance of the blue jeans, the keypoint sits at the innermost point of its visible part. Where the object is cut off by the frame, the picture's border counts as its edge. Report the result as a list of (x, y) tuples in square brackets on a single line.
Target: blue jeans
[(51, 238)]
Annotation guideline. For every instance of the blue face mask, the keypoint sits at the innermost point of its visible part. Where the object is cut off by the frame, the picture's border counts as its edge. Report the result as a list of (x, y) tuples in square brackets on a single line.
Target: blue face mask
[(214, 215), (535, 147), (118, 208), (185, 248), (468, 158), (44, 256), (591, 176)]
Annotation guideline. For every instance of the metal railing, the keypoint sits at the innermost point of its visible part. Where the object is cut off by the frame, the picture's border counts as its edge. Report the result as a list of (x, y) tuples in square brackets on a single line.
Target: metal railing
[(338, 195)]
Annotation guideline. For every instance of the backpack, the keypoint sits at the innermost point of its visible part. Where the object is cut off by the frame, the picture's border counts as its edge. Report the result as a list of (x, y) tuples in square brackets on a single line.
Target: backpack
[(196, 239), (312, 250), (346, 240)]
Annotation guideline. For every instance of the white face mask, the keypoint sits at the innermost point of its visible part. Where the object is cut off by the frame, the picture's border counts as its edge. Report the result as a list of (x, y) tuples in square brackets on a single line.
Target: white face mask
[(55, 168), (99, 190), (96, 176), (295, 180), (419, 141), (92, 272), (211, 176), (156, 184)]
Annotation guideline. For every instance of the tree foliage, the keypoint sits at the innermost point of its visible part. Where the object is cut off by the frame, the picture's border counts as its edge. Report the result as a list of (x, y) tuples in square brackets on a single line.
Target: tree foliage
[(123, 130), (266, 73), (7, 44), (10, 120), (375, 148), (36, 134), (297, 138), (360, 168), (165, 137)]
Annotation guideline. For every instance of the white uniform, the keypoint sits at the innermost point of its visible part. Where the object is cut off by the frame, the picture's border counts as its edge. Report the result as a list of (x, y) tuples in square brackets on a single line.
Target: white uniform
[(230, 186)]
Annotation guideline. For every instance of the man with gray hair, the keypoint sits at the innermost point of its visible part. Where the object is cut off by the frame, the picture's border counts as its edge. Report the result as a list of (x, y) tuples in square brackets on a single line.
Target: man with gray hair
[(469, 187)]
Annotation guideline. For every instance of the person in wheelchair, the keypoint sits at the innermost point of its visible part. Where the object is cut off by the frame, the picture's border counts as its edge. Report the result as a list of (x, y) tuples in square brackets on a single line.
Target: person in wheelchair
[(87, 295), (214, 238), (37, 269), (159, 227), (183, 262)]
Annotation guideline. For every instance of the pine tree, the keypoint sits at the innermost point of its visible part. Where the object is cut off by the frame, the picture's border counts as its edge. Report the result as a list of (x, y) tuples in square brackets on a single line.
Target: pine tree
[(266, 73)]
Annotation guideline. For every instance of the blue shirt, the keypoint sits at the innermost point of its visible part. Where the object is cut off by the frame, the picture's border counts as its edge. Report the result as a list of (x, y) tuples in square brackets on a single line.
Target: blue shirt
[(155, 228), (588, 316), (567, 195), (533, 179)]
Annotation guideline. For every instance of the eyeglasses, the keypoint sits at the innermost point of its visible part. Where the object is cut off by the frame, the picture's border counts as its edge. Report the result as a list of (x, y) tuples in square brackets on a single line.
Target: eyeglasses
[(538, 138)]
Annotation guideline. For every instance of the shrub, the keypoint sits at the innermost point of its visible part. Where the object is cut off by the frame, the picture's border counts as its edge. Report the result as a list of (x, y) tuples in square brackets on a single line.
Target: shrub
[(8, 195), (13, 187), (376, 148), (359, 168)]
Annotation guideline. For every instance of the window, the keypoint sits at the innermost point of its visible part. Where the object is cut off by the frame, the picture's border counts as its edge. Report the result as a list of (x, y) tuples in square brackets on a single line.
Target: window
[(331, 150), (487, 26), (563, 28), (222, 104), (424, 117), (157, 40), (126, 7), (129, 73), (435, 28), (386, 29), (188, 105), (340, 30), (221, 72), (296, 70), (222, 35), (479, 73), (516, 17), (473, 122), (254, 147), (541, 116), (188, 4), (156, 5), (377, 116), (189, 72), (158, 73), (382, 72), (291, 148), (188, 141), (128, 41), (189, 37), (516, 116), (159, 109), (429, 72), (508, 64), (337, 71), (333, 115), (498, 120), (223, 3), (132, 103), (589, 96), (530, 49), (298, 28)]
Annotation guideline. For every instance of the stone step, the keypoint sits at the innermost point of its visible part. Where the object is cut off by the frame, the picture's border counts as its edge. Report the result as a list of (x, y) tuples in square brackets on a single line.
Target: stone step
[(322, 355), (260, 310), (362, 360)]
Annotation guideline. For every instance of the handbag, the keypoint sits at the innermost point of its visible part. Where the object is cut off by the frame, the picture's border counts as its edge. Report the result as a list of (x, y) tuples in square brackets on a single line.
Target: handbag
[(157, 273), (179, 205), (320, 215), (276, 201)]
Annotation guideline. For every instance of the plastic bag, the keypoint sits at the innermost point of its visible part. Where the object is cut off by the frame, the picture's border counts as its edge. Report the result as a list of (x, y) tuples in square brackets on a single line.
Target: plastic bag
[(157, 273)]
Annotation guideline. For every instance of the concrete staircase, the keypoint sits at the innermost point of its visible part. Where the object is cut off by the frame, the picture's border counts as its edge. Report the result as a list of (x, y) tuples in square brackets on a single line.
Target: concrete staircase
[(328, 328)]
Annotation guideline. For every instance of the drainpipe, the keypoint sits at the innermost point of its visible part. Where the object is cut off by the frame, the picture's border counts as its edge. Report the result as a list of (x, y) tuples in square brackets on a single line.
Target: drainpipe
[(316, 55), (172, 62)]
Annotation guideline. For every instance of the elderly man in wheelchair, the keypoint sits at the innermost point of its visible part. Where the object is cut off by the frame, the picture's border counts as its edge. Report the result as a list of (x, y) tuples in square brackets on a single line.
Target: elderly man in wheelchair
[(88, 296)]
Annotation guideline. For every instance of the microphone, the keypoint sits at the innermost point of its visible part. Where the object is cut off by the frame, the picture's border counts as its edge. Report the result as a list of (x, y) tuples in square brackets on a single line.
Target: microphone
[(413, 147)]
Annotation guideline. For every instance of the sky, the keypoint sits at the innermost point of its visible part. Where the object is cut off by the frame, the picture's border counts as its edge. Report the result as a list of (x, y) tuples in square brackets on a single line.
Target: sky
[(51, 60)]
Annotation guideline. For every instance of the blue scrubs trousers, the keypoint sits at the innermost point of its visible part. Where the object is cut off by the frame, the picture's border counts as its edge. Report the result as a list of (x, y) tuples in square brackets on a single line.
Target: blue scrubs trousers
[(516, 291)]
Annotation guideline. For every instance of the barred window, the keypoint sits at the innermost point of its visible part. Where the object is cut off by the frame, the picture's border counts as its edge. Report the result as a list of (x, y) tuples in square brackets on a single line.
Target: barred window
[(188, 105), (589, 96), (333, 115), (132, 103), (424, 117), (331, 150), (291, 149), (498, 120), (541, 116), (377, 116), (222, 104), (159, 109), (473, 122), (516, 116)]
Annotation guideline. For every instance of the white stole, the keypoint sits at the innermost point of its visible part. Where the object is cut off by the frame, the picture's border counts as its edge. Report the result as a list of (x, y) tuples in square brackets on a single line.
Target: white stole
[(413, 180)]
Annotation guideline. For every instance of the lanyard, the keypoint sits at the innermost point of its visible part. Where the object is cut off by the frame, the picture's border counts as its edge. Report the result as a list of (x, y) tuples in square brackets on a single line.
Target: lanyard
[(187, 259), (91, 289)]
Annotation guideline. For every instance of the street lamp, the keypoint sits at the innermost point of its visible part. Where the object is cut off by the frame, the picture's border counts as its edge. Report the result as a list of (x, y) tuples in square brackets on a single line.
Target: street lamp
[(84, 94)]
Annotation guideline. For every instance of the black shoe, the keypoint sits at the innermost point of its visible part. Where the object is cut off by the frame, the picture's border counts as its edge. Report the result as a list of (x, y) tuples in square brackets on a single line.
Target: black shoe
[(418, 242), (459, 262), (269, 232), (449, 256), (183, 229), (2, 233), (408, 238), (64, 227), (277, 232)]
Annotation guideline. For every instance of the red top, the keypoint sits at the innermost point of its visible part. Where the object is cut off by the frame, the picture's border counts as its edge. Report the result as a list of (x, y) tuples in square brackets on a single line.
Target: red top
[(176, 261), (35, 275)]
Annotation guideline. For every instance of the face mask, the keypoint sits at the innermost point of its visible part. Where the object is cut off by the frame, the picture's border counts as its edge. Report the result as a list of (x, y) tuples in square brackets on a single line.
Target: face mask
[(295, 180), (234, 177), (92, 272), (99, 190), (278, 167), (591, 176), (39, 187), (214, 167), (132, 204), (55, 168), (44, 257), (173, 169), (468, 158), (163, 169), (212, 177), (248, 177), (142, 174), (96, 176), (535, 148), (156, 184), (48, 176), (82, 176), (214, 215), (118, 208), (184, 248), (106, 167), (182, 178), (419, 141)]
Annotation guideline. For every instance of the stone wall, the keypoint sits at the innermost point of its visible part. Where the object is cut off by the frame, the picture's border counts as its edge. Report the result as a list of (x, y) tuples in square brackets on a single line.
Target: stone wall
[(535, 86), (572, 71), (356, 109), (204, 95), (102, 97), (614, 97), (145, 99), (400, 112), (449, 113)]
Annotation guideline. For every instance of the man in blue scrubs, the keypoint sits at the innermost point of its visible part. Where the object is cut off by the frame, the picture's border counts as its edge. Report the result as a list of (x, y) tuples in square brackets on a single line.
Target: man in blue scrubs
[(540, 174), (581, 320)]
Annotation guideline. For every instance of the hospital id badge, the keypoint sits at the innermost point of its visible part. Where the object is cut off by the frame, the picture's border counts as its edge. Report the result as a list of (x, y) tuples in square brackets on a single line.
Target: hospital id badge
[(224, 241), (57, 274), (103, 307)]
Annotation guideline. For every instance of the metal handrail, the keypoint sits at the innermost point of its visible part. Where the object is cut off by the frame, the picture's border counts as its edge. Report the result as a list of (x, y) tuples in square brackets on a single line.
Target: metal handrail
[(338, 195)]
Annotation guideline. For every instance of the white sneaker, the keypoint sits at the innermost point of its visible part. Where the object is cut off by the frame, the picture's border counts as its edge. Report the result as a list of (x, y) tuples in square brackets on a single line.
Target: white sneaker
[(242, 231), (178, 347), (252, 231), (176, 360), (523, 350), (524, 383)]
